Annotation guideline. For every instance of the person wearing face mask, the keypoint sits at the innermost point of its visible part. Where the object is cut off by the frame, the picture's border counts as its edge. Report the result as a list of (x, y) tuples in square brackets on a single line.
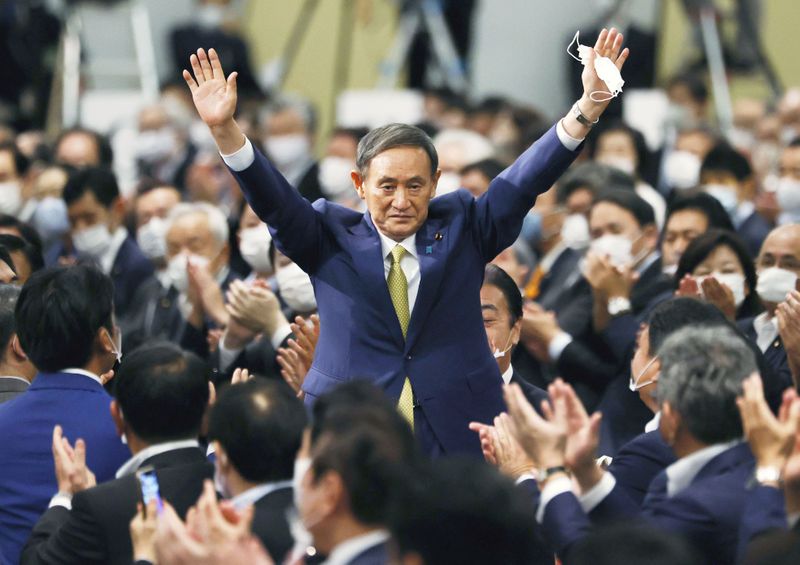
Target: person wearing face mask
[(458, 148), (256, 429), (288, 128), (16, 370), (151, 208), (161, 396), (476, 177), (13, 166), (66, 326), (162, 149), (716, 267), (335, 166), (96, 211), (254, 244), (295, 288), (787, 190), (680, 168), (727, 176)]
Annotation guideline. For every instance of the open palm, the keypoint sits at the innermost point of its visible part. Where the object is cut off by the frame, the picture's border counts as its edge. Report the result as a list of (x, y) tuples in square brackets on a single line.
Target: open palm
[(608, 44), (213, 95)]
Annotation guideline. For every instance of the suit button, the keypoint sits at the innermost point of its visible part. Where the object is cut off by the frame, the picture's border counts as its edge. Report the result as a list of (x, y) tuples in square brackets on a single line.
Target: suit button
[(408, 357)]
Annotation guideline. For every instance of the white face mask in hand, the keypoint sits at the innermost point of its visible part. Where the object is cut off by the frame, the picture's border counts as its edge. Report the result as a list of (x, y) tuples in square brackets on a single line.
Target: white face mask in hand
[(606, 70)]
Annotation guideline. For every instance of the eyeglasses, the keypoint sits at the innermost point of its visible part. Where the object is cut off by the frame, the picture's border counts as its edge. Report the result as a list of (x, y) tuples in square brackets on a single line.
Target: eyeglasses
[(635, 385)]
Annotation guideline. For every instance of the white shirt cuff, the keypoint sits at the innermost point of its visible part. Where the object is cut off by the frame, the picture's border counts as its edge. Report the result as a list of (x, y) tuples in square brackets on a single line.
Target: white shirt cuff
[(553, 487), (226, 355), (598, 493), (242, 158), (557, 345), (566, 139), (280, 334), (524, 477), (60, 499)]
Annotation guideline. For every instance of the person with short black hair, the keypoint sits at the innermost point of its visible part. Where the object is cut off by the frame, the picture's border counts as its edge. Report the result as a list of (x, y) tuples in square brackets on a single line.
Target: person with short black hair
[(256, 429), (578, 187), (16, 371), (162, 394), (476, 177), (66, 326), (80, 147), (27, 257)]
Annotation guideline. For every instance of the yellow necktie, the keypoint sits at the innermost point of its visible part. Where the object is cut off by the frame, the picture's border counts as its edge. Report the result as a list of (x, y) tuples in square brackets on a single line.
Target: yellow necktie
[(398, 290), (533, 287)]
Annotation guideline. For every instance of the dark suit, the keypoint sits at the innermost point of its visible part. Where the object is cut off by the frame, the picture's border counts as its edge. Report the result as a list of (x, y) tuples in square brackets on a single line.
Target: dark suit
[(638, 462), (707, 512), (765, 512), (80, 406), (11, 388), (445, 353), (533, 393), (270, 524), (309, 186), (96, 530), (774, 356), (375, 555), (753, 231)]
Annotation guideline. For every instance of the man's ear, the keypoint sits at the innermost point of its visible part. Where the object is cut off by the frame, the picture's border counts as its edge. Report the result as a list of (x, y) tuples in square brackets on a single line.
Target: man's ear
[(358, 183), (119, 419), (435, 180), (670, 423), (516, 331), (16, 349), (117, 210), (221, 456), (650, 233), (105, 341)]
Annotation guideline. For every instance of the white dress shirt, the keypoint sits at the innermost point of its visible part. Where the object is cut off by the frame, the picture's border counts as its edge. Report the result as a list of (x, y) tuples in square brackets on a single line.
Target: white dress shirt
[(253, 495), (343, 553), (681, 473), (508, 374), (766, 330), (108, 258)]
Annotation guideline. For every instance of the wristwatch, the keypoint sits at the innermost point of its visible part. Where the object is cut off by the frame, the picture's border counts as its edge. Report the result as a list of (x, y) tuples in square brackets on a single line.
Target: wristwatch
[(618, 305), (543, 474), (768, 475), (582, 118)]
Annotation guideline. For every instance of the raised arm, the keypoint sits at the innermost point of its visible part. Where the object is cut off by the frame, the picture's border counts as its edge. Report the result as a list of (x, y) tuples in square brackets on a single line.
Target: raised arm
[(298, 232)]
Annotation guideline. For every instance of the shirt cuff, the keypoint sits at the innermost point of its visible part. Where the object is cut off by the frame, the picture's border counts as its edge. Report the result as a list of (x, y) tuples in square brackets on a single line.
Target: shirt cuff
[(62, 500), (557, 345), (524, 477), (553, 487), (280, 335), (226, 355), (566, 139), (597, 493), (242, 158)]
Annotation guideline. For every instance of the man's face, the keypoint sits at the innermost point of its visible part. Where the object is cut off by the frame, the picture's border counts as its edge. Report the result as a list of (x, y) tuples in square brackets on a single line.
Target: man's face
[(476, 182), (644, 370), (781, 249), (8, 167), (87, 211), (191, 234), (397, 189), (580, 201), (697, 142), (790, 163), (724, 178), (681, 229), (155, 204), (609, 219), (501, 333), (616, 145), (344, 146), (79, 150)]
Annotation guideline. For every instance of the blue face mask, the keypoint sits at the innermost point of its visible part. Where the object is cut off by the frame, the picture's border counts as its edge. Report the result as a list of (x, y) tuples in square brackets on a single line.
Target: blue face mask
[(532, 229)]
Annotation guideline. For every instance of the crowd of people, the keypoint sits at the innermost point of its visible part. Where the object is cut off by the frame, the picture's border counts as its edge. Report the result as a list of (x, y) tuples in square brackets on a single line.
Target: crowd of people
[(616, 363)]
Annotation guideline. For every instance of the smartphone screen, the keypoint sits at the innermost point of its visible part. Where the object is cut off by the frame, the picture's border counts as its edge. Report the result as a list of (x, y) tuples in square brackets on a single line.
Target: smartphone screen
[(149, 485)]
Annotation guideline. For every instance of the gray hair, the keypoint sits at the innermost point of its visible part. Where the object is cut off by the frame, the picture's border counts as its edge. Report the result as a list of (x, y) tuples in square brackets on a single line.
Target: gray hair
[(702, 370), (9, 294), (390, 136), (217, 222), (303, 107)]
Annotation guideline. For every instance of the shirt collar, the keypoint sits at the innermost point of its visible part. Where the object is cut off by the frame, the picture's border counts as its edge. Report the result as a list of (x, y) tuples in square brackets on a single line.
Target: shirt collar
[(253, 495), (743, 211), (508, 374), (762, 320), (552, 256), (117, 239), (84, 372), (648, 261), (681, 473), (132, 465), (15, 377), (652, 425), (347, 550), (409, 244)]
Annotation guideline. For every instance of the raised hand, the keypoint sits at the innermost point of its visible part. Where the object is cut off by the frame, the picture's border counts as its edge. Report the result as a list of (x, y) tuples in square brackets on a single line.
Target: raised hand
[(543, 439), (720, 296), (72, 474), (608, 44), (788, 316), (213, 95)]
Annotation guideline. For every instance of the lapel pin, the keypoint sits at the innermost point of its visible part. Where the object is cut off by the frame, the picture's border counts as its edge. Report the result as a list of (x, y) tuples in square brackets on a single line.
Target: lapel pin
[(438, 236), (428, 249)]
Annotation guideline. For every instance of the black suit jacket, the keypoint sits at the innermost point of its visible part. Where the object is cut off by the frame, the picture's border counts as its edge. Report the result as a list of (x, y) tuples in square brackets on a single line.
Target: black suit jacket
[(270, 524), (533, 393), (309, 186), (564, 291), (774, 356), (96, 530), (9, 388), (754, 231)]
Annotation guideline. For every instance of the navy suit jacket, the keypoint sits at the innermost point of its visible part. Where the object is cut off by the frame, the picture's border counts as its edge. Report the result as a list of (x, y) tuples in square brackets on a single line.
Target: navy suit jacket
[(774, 356), (375, 555), (445, 353), (638, 462), (533, 393), (81, 406), (754, 231), (765, 512), (707, 513)]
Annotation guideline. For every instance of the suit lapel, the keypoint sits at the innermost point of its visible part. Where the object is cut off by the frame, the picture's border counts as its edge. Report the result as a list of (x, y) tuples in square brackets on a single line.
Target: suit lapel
[(432, 245)]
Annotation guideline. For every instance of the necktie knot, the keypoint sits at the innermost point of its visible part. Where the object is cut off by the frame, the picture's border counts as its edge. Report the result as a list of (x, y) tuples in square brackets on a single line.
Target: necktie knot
[(398, 253)]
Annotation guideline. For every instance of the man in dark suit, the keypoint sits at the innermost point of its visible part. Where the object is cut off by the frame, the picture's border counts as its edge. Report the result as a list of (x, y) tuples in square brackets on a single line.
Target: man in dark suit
[(162, 394), (16, 370), (66, 327), (96, 213), (256, 428), (397, 288)]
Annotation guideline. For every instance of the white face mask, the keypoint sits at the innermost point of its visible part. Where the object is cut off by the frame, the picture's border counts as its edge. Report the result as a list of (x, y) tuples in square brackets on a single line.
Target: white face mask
[(10, 197), (616, 247), (116, 345), (606, 71), (787, 192), (177, 270), (670, 269), (634, 384), (775, 283), (254, 247), (153, 146), (623, 164), (498, 353), (152, 238), (93, 241), (50, 218), (287, 150), (448, 182), (298, 527), (210, 16), (734, 281), (296, 288), (575, 231), (334, 176), (682, 170), (725, 195)]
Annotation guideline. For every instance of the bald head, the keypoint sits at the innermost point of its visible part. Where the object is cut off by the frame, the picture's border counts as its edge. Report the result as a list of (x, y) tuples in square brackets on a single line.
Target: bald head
[(781, 249)]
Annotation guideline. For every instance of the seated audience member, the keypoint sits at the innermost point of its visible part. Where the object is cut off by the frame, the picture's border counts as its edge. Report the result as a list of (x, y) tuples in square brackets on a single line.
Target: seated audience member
[(16, 371), (460, 511), (151, 208), (578, 187), (501, 304), (162, 147), (717, 267), (337, 163), (26, 256), (256, 429), (66, 326), (458, 148), (78, 147), (727, 176), (96, 212), (254, 244), (699, 497), (8, 275), (688, 216), (788, 186), (161, 396), (680, 170), (476, 177), (774, 330), (9, 225)]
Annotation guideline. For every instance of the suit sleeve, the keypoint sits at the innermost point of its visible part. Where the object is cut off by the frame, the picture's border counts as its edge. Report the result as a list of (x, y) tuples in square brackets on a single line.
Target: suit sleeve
[(296, 226), (764, 512), (64, 536), (564, 524), (498, 214)]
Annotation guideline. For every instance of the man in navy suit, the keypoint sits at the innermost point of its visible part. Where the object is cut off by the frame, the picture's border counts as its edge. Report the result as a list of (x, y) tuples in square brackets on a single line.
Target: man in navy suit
[(700, 496), (397, 288), (65, 325)]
